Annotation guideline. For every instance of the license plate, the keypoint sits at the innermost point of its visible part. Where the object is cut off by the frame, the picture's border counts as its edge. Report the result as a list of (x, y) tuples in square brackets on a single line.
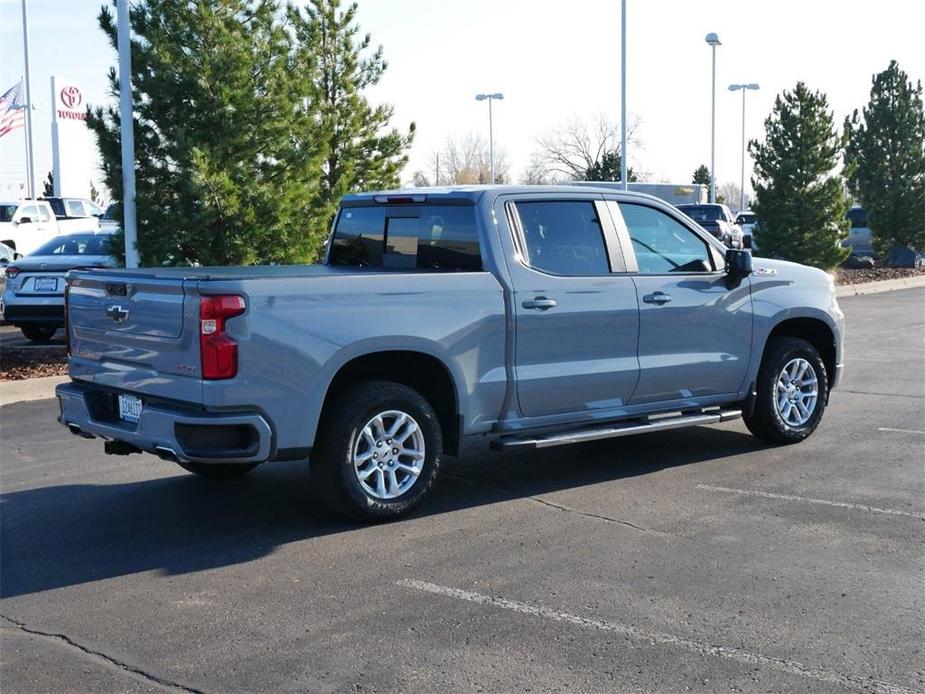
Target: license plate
[(46, 284), (129, 408)]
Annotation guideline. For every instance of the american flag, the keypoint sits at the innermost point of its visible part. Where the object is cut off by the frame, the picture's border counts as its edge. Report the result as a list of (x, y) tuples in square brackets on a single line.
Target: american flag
[(12, 109)]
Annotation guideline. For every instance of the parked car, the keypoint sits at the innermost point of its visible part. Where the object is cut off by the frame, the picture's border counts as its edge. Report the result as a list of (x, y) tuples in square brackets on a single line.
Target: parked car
[(27, 224), (746, 221), (860, 238), (716, 219), (33, 298), (74, 208), (533, 316)]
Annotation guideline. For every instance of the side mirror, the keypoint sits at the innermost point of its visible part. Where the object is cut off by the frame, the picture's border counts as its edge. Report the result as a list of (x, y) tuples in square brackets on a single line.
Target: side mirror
[(738, 266), (25, 220)]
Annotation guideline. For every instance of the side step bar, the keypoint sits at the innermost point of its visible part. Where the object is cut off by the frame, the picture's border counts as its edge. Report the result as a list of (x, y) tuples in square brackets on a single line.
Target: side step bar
[(562, 438)]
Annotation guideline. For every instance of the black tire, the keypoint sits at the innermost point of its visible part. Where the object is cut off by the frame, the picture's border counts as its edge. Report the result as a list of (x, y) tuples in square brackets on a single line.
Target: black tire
[(332, 466), (38, 333), (765, 421), (219, 471)]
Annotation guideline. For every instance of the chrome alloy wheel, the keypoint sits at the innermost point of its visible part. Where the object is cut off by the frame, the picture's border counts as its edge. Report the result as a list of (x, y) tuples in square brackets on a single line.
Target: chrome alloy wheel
[(389, 454), (796, 392)]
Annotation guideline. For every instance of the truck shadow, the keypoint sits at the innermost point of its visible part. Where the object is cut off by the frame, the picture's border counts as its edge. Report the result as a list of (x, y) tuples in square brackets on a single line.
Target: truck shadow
[(68, 535)]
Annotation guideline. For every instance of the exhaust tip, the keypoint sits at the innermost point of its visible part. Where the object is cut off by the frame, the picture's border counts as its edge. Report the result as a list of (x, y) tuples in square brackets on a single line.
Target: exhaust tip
[(165, 453)]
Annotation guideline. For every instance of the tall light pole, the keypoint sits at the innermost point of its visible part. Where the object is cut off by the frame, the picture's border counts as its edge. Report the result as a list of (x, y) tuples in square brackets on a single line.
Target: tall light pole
[(623, 165), (30, 157), (714, 41), (744, 88), (126, 124), (491, 133)]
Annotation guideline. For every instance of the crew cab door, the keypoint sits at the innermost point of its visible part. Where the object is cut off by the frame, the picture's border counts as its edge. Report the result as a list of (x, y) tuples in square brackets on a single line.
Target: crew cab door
[(575, 311), (695, 332)]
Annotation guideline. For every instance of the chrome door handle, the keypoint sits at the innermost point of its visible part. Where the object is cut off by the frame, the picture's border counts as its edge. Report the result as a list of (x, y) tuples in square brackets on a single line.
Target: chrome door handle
[(657, 298), (540, 303)]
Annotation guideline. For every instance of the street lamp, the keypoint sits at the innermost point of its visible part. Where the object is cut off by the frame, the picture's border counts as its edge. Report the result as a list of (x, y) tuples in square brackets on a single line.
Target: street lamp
[(714, 41), (491, 135), (744, 88)]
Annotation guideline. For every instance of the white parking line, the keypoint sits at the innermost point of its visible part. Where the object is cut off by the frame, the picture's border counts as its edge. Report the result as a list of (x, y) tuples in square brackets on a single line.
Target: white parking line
[(901, 431), (728, 652), (808, 500)]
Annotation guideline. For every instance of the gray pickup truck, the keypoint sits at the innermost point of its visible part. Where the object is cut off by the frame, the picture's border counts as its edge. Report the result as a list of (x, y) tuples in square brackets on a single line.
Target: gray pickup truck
[(533, 316)]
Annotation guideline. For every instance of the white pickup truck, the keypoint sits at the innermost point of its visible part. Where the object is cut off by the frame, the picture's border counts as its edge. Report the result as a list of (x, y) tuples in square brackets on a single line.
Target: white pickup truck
[(27, 224)]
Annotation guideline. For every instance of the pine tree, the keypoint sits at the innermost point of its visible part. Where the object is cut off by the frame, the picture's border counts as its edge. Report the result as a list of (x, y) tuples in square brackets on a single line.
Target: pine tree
[(885, 160), (224, 154), (800, 203), (607, 168), (49, 185), (701, 175), (361, 152)]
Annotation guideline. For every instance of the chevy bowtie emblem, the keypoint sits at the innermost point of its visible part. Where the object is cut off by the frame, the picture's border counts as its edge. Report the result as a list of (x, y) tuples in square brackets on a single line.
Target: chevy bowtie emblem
[(117, 313)]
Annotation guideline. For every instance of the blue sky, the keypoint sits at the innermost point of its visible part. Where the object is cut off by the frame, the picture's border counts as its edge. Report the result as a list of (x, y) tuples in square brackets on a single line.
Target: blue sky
[(552, 60)]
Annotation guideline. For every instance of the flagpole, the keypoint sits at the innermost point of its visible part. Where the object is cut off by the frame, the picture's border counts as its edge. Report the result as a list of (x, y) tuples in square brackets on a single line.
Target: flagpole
[(127, 125), (30, 162)]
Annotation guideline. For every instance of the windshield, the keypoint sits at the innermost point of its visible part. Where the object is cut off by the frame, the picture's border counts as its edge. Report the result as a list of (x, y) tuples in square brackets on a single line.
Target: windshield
[(76, 244), (703, 213), (7, 212)]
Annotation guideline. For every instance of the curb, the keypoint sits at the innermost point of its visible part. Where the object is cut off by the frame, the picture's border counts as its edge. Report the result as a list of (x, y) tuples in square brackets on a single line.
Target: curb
[(30, 389), (877, 287)]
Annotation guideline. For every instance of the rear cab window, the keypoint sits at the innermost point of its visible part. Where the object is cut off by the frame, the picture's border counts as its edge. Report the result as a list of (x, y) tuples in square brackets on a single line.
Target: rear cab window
[(407, 237)]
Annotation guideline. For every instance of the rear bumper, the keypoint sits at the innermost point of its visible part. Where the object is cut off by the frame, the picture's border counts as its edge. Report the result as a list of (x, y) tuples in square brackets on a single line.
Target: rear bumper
[(46, 314), (170, 432)]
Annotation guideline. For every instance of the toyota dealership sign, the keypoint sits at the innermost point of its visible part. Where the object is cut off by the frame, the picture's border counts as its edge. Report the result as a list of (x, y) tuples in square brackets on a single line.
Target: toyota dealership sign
[(70, 139)]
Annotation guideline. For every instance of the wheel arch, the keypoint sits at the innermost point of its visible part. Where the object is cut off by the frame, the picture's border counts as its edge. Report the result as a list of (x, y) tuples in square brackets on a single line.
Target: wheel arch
[(815, 331), (424, 372)]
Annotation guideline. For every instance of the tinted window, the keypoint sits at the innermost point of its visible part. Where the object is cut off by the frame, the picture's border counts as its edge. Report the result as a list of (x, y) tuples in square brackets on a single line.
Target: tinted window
[(359, 236), (76, 244), (430, 237), (57, 205), (746, 218), (662, 244), (857, 217), (564, 237), (7, 212), (703, 213), (75, 208), (113, 212)]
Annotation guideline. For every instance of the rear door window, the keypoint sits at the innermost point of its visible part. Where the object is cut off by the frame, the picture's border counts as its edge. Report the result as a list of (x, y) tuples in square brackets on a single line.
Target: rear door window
[(563, 237), (429, 237), (75, 208)]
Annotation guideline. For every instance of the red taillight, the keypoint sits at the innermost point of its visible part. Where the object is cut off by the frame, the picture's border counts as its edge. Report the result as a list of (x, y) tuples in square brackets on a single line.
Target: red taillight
[(12, 271), (218, 352)]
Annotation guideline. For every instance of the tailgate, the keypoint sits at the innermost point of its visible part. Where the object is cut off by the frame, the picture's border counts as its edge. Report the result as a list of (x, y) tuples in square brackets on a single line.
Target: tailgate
[(134, 331)]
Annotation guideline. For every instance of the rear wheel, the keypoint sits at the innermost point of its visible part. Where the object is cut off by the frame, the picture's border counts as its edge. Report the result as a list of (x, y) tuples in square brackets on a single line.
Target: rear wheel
[(219, 471), (792, 392), (38, 333), (378, 451)]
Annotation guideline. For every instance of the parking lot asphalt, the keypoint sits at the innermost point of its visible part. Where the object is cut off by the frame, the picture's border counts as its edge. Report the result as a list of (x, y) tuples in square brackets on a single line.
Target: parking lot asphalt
[(693, 560)]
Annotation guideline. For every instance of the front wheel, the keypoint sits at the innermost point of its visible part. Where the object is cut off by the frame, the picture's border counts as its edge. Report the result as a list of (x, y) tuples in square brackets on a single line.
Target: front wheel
[(792, 392), (39, 333), (378, 451)]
